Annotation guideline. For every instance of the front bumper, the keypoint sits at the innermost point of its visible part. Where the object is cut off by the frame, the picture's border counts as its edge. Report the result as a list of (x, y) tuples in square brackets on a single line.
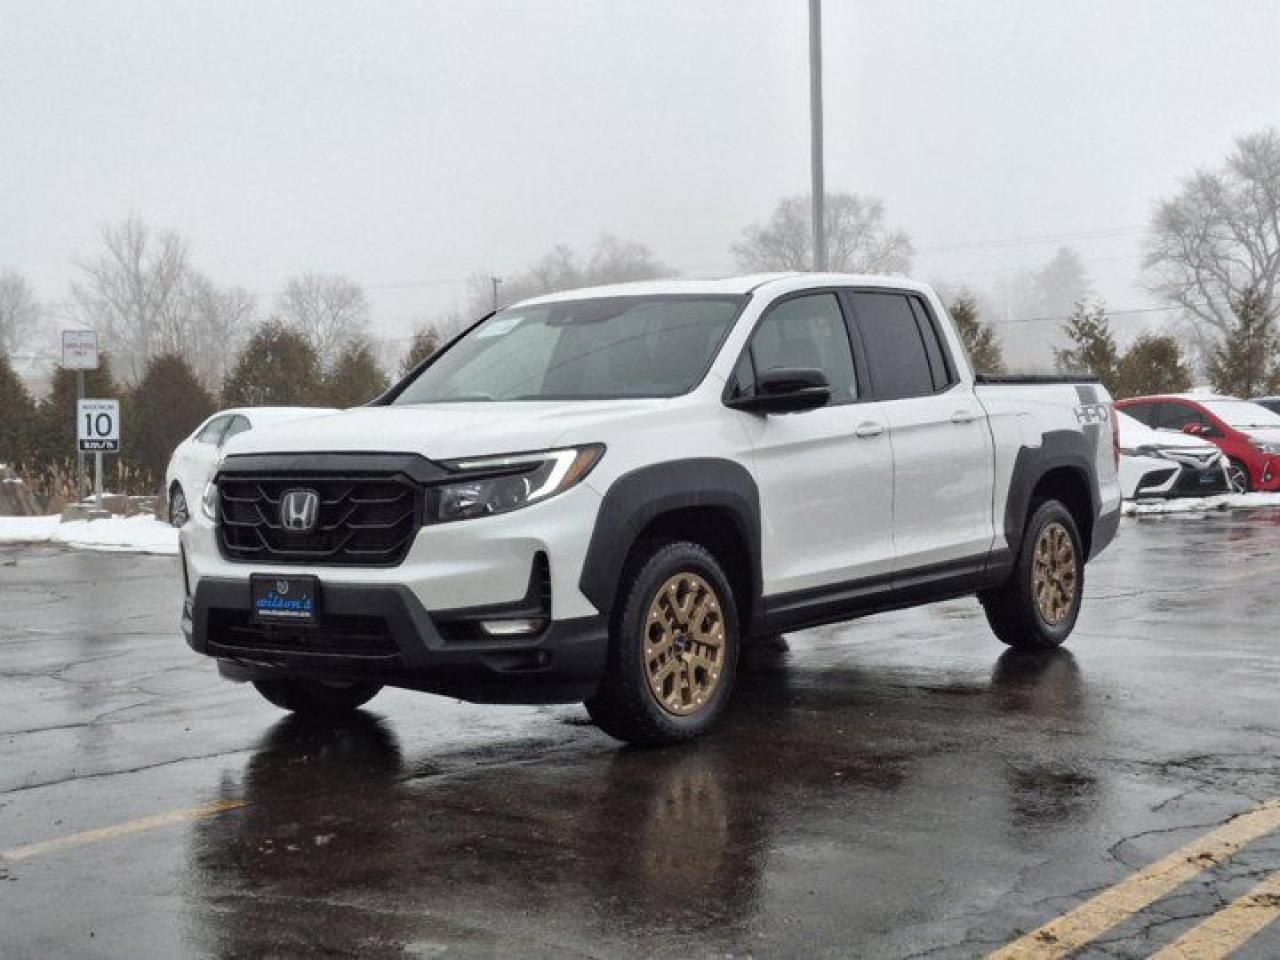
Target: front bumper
[(468, 563), (382, 632), (1151, 478)]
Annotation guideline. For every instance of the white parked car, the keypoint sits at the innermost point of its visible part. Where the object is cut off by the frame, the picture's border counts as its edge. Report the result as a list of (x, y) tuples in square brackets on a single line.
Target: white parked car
[(191, 465), (1167, 463), (600, 495)]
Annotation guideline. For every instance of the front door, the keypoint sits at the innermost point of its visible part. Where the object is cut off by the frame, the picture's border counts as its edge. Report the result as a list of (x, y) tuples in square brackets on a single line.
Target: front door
[(825, 476)]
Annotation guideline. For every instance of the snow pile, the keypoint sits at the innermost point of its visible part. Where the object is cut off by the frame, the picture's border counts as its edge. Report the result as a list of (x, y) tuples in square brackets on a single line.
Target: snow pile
[(1226, 501), (140, 534)]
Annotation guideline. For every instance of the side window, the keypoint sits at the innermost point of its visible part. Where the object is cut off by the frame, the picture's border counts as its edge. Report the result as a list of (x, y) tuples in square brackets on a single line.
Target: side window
[(212, 432), (896, 353), (939, 363), (1143, 412), (1175, 416), (239, 424), (806, 332)]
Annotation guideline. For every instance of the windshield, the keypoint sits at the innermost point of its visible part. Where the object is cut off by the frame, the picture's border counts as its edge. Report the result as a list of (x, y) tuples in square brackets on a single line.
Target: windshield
[(603, 348), (1242, 413)]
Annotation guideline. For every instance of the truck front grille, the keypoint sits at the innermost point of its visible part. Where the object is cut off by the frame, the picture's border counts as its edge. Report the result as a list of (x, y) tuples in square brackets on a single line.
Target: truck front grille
[(361, 520)]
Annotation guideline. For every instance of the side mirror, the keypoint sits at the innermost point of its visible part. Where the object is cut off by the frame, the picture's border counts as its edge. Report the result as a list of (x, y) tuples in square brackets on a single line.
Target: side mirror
[(1195, 429), (786, 390)]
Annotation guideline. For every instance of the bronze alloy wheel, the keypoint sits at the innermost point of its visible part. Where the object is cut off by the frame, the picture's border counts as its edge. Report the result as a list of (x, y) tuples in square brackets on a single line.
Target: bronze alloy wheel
[(684, 644), (1054, 574)]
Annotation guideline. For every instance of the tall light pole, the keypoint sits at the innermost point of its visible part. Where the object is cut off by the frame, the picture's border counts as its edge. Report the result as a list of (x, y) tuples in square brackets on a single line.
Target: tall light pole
[(818, 187), (495, 282)]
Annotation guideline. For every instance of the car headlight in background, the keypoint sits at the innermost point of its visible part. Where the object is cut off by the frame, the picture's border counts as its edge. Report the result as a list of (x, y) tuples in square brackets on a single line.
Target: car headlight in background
[(209, 501), (1143, 451), (503, 483)]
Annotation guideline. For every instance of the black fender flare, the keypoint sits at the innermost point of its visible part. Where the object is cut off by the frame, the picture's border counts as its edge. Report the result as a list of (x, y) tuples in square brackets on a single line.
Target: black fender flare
[(1059, 448), (637, 498)]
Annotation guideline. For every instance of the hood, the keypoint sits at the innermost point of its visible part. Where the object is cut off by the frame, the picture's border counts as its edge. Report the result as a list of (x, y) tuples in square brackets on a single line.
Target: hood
[(1135, 434), (444, 431), (1262, 434)]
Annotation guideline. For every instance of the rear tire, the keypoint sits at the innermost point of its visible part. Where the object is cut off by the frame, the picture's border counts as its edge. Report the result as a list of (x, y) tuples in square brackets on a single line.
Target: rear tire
[(1037, 607), (673, 648), (321, 699)]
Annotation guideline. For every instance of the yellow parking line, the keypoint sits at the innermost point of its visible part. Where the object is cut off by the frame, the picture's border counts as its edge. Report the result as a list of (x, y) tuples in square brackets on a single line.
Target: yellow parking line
[(1096, 916), (1228, 929), (119, 830)]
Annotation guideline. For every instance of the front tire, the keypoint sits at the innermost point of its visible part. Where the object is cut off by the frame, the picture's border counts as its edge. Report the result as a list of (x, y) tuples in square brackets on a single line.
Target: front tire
[(1238, 476), (673, 648), (1037, 607), (179, 512), (320, 699)]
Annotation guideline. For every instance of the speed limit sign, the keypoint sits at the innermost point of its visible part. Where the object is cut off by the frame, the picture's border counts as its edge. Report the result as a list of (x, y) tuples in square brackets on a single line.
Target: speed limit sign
[(98, 426)]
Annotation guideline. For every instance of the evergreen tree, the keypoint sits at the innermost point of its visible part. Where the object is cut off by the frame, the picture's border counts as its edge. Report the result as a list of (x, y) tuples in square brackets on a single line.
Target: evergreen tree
[(1094, 348), (277, 367), (426, 341), (354, 378), (55, 441), (1152, 365), (17, 417), (166, 405), (1247, 362), (980, 339)]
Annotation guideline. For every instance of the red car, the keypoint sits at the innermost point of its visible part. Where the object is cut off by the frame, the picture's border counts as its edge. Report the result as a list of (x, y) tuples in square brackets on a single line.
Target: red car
[(1247, 432)]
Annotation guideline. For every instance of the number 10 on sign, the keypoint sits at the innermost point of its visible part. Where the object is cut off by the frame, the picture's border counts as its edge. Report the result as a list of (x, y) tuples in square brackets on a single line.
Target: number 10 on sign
[(98, 426)]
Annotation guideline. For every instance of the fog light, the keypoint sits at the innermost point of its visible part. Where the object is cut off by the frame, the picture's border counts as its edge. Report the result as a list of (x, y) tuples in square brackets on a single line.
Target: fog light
[(512, 628)]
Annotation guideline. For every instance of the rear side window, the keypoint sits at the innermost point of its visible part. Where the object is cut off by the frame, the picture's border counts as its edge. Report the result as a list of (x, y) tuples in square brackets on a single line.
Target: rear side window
[(939, 366), (896, 351)]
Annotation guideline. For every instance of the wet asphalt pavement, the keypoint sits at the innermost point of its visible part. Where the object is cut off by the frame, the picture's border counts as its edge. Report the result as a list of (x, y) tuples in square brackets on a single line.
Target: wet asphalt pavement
[(896, 787)]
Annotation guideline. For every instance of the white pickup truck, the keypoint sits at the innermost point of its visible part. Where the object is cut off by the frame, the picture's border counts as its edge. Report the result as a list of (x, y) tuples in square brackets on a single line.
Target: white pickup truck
[(603, 495)]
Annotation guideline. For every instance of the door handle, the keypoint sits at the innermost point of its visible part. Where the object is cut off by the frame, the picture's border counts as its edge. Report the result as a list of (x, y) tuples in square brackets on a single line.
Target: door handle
[(868, 429), (964, 416)]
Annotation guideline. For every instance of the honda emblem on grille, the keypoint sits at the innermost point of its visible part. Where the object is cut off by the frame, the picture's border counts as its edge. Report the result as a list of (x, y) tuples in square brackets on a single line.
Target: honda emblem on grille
[(299, 510)]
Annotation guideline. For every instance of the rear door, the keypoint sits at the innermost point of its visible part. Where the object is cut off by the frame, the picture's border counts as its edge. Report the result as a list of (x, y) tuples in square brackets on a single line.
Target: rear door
[(942, 454), (825, 476)]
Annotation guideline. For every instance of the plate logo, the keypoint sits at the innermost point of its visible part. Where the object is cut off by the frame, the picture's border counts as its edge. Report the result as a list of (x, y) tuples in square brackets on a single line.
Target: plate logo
[(299, 510)]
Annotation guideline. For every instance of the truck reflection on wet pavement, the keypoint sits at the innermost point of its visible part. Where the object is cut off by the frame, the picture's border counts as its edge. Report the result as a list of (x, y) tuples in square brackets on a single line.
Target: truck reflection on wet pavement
[(896, 787)]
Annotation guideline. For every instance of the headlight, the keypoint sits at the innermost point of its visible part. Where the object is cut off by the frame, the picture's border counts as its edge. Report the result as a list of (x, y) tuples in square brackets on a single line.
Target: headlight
[(1271, 448), (209, 501), (503, 483), (1142, 451)]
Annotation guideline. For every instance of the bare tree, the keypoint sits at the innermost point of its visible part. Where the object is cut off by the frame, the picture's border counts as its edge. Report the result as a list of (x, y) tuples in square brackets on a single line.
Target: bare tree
[(858, 241), (610, 260), (217, 320), (1061, 284), (1218, 240), (133, 293), (328, 309), (20, 312)]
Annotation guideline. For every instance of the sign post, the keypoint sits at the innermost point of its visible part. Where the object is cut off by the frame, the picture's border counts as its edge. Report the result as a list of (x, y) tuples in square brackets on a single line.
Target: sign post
[(80, 353), (98, 432)]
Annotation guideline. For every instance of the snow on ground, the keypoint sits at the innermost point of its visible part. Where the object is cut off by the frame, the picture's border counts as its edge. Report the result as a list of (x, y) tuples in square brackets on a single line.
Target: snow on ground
[(140, 534), (1226, 501), (145, 534)]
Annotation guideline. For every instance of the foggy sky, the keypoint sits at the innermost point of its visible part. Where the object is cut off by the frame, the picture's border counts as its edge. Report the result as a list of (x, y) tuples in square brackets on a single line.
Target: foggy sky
[(409, 145)]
